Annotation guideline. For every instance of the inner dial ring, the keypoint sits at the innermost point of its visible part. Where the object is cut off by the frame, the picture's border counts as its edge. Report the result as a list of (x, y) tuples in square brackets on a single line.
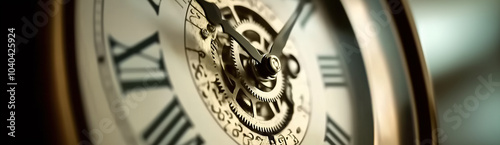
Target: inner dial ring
[(249, 108)]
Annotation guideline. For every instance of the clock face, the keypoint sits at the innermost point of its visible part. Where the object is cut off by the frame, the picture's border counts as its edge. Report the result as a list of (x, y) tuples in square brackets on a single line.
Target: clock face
[(162, 72)]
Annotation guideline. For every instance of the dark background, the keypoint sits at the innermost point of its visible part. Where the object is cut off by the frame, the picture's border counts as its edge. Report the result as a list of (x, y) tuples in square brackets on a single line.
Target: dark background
[(30, 113)]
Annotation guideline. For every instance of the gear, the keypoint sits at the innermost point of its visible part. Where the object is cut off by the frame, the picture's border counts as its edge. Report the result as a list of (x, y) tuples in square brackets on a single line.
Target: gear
[(261, 115), (270, 122), (264, 89), (243, 96), (252, 112)]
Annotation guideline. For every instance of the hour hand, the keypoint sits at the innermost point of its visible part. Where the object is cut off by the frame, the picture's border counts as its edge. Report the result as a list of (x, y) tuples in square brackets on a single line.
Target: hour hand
[(214, 16)]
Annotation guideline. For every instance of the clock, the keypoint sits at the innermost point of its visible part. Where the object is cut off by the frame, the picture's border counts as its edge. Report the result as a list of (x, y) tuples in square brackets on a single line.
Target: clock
[(259, 72)]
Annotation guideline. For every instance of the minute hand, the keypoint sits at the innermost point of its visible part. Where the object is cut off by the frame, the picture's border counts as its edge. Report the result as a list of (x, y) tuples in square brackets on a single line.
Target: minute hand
[(214, 16), (281, 39)]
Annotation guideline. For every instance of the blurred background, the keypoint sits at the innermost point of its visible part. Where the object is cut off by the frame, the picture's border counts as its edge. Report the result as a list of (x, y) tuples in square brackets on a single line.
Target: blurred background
[(461, 44)]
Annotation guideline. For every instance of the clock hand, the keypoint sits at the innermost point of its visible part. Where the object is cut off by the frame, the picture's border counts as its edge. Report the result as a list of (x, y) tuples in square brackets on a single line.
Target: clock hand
[(214, 16), (281, 39)]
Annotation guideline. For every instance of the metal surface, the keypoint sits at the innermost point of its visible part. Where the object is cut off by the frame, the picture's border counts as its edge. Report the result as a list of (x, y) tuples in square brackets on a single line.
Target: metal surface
[(388, 75)]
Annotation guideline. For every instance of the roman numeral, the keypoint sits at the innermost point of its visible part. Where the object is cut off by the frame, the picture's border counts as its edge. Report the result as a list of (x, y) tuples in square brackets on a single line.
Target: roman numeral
[(331, 71), (140, 66), (156, 5), (172, 127), (334, 134)]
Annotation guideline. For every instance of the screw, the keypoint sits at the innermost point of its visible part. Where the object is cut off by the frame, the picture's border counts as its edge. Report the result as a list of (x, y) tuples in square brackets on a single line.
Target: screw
[(275, 64), (205, 33), (210, 28), (269, 67)]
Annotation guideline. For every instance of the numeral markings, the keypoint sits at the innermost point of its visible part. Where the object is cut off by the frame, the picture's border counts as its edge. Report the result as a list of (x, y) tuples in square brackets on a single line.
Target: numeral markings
[(331, 71), (171, 127), (156, 5), (334, 134), (139, 66)]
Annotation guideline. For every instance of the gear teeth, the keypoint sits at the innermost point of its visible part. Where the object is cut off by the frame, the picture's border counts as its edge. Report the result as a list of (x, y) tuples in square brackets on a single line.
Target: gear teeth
[(253, 124), (270, 96), (263, 126), (267, 99)]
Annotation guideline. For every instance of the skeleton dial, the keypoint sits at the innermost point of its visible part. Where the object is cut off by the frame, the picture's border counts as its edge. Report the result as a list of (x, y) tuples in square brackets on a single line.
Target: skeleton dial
[(267, 110), (170, 77)]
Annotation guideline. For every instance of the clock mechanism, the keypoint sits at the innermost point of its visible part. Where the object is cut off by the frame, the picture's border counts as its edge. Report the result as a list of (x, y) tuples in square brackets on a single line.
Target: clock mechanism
[(267, 99)]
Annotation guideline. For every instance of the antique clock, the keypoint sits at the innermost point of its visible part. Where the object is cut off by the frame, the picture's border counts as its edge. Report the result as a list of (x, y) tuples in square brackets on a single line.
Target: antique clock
[(249, 72)]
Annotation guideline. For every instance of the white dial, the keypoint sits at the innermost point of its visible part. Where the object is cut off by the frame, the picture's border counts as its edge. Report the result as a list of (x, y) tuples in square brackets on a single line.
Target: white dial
[(158, 72)]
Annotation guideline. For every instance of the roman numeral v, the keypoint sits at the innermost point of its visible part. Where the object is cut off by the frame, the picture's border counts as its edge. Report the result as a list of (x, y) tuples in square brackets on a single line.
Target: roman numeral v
[(156, 5)]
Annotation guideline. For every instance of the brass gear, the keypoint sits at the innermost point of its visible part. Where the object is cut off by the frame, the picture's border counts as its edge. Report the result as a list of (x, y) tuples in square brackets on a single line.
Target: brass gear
[(258, 115), (264, 89), (271, 126)]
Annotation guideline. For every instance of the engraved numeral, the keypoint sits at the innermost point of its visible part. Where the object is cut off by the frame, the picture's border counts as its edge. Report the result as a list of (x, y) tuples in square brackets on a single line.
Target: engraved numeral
[(331, 71), (172, 127), (140, 66), (334, 134)]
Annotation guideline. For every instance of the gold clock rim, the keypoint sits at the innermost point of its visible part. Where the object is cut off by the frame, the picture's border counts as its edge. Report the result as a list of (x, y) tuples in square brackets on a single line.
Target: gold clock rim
[(62, 96)]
